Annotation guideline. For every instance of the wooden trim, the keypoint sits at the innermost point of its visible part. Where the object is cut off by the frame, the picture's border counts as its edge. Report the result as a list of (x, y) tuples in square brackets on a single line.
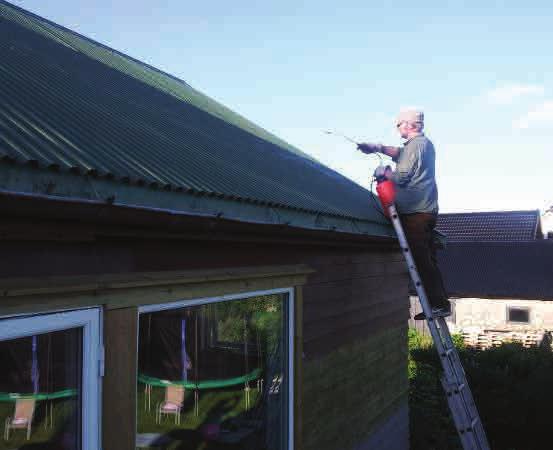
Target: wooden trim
[(50, 285), (298, 367), (119, 382), (94, 217), (20, 296)]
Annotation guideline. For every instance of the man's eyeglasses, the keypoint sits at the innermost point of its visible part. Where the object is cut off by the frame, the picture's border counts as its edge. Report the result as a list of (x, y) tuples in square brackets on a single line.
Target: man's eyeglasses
[(399, 124)]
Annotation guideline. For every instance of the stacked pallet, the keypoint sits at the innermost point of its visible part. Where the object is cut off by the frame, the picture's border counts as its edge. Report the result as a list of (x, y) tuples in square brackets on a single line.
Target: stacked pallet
[(484, 339)]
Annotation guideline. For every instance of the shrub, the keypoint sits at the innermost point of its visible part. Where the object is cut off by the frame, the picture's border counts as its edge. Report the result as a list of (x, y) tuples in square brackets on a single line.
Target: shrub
[(512, 387)]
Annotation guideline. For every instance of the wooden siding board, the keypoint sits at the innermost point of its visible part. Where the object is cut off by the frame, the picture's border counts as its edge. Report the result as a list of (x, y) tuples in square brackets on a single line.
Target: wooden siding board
[(356, 291), (314, 330), (46, 285), (26, 296), (350, 314), (325, 275), (367, 287), (317, 346)]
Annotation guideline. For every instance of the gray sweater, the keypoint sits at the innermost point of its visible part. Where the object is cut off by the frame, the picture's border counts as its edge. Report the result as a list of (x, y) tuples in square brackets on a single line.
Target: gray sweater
[(415, 177)]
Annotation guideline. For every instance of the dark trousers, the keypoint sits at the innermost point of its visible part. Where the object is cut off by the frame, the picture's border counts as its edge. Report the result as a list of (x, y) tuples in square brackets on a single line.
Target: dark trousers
[(418, 230)]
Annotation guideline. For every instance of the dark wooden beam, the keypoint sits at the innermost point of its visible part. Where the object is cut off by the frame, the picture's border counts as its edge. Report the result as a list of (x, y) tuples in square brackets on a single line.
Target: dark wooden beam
[(119, 383)]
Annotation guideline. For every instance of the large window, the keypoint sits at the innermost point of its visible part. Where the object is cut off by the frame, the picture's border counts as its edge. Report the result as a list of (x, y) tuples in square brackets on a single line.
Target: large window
[(49, 381), (216, 374)]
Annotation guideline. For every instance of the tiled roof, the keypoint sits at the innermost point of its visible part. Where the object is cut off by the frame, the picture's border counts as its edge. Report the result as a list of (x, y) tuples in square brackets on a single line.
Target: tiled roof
[(498, 269), (74, 106), (490, 226)]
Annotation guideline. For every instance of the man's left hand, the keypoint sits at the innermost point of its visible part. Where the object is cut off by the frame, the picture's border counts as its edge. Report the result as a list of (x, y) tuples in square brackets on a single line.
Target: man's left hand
[(367, 147), (383, 172)]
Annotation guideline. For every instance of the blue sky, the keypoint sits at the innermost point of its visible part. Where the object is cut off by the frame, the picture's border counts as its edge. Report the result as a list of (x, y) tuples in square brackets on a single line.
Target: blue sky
[(481, 71)]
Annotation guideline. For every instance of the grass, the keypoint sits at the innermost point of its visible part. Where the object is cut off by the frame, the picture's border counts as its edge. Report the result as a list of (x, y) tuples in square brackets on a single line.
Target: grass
[(41, 437), (216, 406)]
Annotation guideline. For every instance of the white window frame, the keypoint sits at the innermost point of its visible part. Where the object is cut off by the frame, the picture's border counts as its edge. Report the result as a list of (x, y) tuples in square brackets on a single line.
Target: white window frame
[(245, 295), (90, 322)]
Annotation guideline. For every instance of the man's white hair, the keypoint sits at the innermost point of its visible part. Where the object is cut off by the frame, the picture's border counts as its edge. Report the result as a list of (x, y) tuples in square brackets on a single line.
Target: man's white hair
[(413, 117)]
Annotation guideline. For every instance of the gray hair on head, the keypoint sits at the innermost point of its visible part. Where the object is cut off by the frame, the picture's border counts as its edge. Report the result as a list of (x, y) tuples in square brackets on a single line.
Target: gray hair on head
[(413, 117)]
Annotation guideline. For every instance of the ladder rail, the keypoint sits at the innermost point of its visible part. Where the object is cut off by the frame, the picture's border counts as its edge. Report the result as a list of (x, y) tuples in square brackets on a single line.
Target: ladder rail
[(459, 367), (460, 400)]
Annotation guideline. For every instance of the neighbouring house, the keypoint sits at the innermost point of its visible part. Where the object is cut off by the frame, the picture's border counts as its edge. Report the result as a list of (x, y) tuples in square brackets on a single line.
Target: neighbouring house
[(500, 290), (174, 276), (547, 222), (491, 226), (498, 273)]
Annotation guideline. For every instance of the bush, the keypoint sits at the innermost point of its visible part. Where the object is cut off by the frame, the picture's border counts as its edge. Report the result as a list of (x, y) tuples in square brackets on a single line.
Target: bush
[(512, 387), (431, 427)]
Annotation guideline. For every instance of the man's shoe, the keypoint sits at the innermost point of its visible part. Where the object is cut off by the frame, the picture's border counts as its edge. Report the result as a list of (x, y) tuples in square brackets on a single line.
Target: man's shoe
[(442, 311)]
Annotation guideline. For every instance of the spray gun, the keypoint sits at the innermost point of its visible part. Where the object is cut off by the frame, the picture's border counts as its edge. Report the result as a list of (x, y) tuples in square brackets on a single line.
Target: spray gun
[(342, 135), (353, 141), (385, 187)]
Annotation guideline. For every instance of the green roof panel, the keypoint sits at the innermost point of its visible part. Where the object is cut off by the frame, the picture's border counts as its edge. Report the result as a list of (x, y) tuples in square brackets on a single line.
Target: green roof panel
[(76, 106)]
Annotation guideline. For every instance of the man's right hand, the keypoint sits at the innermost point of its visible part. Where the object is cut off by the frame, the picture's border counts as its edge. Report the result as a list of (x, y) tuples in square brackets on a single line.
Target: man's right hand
[(367, 147)]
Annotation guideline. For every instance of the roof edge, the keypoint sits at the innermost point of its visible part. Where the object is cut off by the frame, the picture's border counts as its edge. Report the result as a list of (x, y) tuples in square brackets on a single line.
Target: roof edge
[(52, 185)]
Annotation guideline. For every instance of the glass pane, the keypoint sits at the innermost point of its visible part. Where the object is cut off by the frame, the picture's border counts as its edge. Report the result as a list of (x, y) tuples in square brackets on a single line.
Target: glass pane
[(214, 376), (519, 315), (40, 391)]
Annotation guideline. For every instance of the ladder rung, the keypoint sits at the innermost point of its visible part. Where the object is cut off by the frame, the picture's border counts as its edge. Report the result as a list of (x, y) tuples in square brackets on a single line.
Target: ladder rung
[(455, 389), (471, 428)]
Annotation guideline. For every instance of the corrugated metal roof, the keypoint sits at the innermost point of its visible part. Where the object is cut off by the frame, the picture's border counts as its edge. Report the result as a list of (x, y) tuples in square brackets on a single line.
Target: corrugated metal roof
[(137, 69), (498, 269), (74, 105), (490, 226)]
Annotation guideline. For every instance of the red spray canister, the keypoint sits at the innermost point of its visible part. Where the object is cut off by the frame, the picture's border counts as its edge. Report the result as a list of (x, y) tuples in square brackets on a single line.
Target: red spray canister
[(385, 189)]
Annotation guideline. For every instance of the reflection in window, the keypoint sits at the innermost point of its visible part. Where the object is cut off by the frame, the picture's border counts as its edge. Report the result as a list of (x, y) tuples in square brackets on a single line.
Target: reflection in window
[(40, 386), (215, 376)]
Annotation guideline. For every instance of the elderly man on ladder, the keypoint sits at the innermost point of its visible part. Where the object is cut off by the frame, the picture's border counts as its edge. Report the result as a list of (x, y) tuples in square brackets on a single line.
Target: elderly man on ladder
[(417, 201)]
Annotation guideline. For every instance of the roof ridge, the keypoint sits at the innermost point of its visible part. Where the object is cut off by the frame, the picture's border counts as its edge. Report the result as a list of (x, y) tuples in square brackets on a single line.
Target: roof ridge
[(470, 213), (93, 41), (530, 242)]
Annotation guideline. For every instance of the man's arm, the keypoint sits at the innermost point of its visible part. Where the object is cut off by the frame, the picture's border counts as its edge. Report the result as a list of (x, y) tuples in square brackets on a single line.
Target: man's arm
[(392, 152), (405, 168)]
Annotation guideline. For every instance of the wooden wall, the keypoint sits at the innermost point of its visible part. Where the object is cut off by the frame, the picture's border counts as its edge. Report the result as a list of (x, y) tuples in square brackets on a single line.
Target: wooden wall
[(353, 296)]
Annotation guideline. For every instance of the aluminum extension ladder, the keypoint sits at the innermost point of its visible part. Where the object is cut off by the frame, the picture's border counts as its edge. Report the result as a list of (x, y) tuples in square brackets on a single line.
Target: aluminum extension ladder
[(459, 397)]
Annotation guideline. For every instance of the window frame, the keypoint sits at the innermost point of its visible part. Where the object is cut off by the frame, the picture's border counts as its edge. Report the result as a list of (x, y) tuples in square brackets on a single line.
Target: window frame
[(244, 295), (90, 320), (518, 308)]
